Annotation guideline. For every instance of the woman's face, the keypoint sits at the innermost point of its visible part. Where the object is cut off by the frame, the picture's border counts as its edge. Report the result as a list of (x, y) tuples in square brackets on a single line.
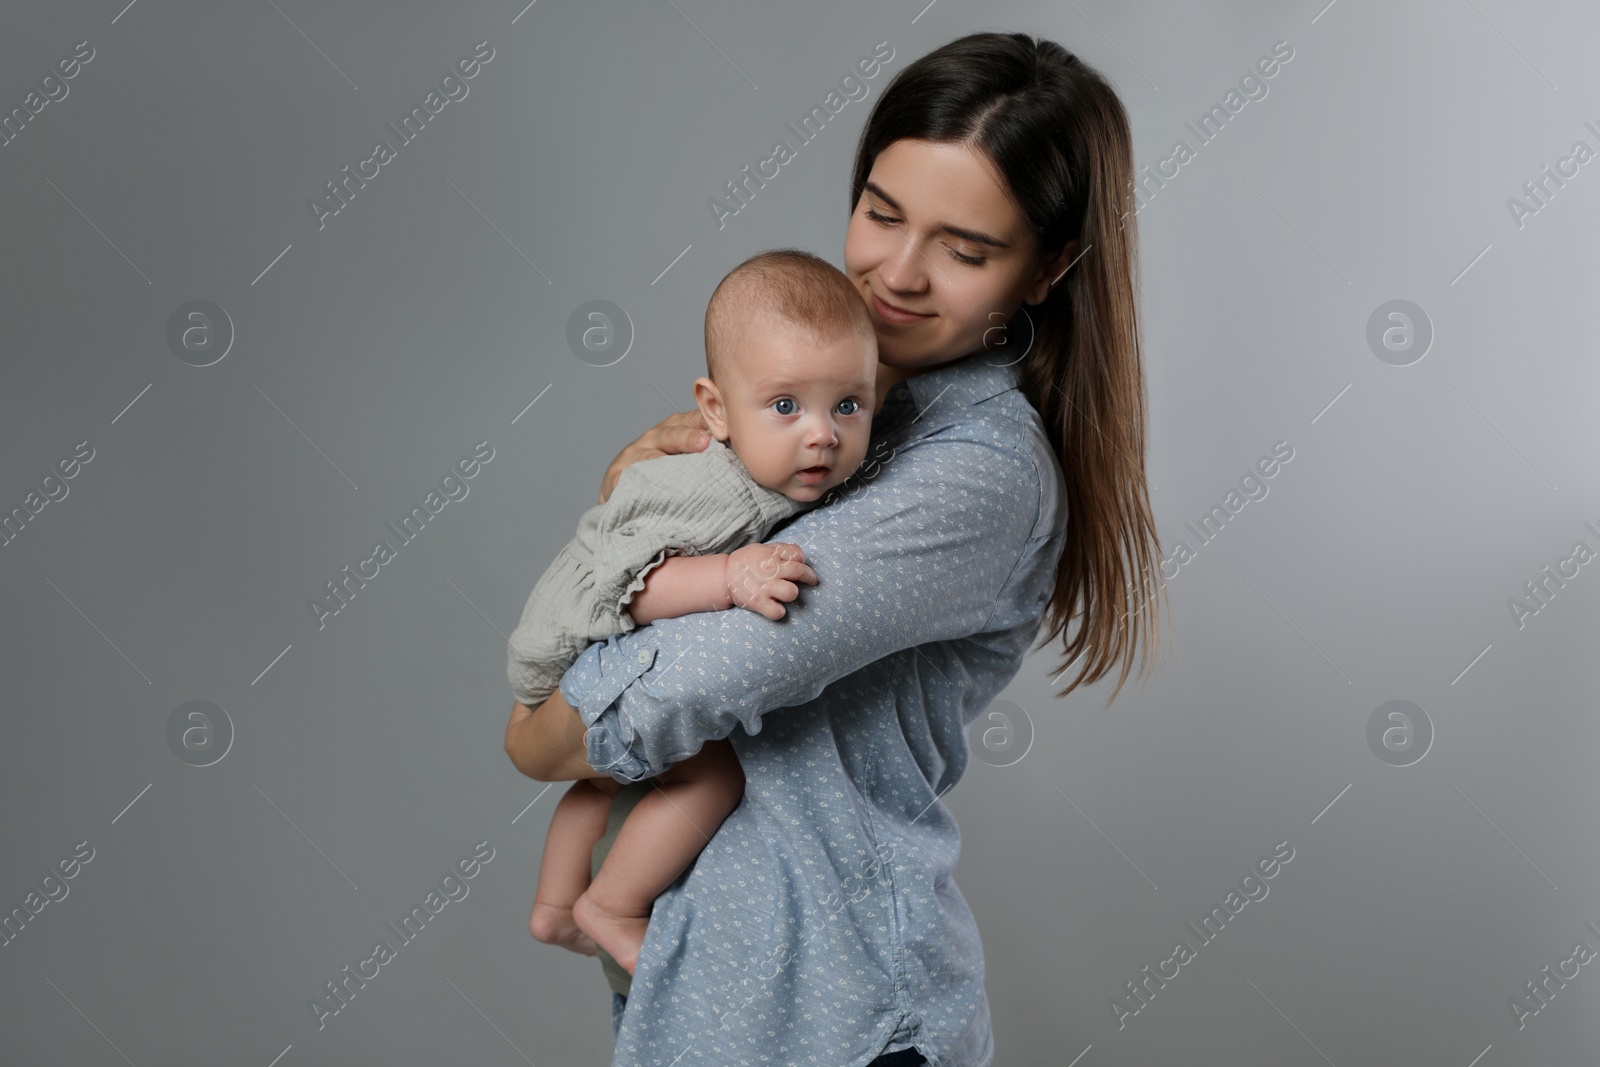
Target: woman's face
[(935, 235)]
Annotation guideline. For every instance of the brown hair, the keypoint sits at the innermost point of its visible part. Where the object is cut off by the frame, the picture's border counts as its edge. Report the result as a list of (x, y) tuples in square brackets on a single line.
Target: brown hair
[(1055, 129), (789, 285)]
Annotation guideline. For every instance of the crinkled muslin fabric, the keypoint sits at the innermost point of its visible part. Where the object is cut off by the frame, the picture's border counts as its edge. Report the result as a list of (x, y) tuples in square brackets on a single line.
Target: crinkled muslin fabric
[(694, 504)]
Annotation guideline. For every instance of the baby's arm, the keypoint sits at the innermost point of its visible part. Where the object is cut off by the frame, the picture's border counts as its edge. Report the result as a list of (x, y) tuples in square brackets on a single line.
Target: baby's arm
[(755, 576), (681, 585)]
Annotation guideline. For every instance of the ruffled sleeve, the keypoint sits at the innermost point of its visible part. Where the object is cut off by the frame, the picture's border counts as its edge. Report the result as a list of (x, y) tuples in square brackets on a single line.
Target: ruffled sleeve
[(693, 504)]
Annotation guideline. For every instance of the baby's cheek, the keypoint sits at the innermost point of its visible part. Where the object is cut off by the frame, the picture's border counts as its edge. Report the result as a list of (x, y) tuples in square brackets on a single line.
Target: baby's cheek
[(859, 457)]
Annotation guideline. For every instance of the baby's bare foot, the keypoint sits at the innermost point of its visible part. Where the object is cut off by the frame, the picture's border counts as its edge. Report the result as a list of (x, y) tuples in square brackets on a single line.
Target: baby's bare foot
[(555, 926), (620, 935)]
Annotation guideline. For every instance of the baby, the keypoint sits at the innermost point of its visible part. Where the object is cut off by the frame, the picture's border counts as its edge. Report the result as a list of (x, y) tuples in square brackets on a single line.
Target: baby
[(791, 365)]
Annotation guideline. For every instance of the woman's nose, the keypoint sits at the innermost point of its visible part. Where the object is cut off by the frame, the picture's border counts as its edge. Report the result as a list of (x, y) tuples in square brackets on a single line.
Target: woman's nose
[(903, 270)]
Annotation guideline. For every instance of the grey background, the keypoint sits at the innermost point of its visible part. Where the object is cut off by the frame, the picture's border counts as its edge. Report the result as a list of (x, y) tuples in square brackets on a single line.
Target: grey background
[(374, 352)]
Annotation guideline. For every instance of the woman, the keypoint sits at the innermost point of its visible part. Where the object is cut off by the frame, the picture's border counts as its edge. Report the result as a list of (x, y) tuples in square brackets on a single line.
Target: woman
[(821, 924)]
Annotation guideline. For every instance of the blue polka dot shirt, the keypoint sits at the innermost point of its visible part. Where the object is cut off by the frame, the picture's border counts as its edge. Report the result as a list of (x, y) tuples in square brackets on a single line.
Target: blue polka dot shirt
[(822, 924)]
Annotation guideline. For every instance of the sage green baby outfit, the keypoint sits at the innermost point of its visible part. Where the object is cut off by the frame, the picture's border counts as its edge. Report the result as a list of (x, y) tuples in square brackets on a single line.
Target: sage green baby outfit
[(692, 504)]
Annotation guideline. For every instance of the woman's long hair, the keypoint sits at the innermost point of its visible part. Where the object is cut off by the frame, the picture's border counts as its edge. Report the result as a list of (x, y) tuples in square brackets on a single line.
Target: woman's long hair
[(1054, 128)]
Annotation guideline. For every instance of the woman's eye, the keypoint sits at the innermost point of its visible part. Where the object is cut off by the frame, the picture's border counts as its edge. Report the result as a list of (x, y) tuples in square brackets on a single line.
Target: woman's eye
[(971, 261), (851, 406), (785, 400)]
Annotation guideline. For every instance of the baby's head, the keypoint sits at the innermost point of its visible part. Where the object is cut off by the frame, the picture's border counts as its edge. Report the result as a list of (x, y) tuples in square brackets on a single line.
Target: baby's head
[(792, 366)]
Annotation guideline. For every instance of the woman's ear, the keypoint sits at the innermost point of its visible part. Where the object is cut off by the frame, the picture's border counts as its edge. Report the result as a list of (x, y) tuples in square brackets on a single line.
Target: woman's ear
[(708, 398), (1053, 270)]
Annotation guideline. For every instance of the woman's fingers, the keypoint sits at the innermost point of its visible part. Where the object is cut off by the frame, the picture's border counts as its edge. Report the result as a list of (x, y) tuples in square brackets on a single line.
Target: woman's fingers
[(677, 433)]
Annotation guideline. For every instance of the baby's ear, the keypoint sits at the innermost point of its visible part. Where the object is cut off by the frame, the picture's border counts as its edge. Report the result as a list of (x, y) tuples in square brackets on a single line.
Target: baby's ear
[(708, 398)]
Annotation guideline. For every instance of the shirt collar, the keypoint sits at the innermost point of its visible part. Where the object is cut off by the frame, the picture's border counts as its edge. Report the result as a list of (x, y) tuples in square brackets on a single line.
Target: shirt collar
[(940, 395)]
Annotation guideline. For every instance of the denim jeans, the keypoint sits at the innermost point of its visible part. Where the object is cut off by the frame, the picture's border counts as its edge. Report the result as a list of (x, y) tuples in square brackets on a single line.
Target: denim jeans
[(904, 1058)]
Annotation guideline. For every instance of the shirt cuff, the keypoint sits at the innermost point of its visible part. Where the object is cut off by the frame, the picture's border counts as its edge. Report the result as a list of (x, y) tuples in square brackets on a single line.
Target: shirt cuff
[(592, 686)]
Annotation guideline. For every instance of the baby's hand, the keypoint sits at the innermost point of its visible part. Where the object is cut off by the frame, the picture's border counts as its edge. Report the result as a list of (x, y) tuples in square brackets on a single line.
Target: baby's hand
[(759, 576)]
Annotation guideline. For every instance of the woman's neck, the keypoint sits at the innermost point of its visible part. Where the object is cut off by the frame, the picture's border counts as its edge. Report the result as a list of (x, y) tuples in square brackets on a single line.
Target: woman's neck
[(889, 377)]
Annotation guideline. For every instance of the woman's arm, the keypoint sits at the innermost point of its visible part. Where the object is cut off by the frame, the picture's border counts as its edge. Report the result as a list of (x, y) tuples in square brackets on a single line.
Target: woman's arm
[(917, 555), (546, 743)]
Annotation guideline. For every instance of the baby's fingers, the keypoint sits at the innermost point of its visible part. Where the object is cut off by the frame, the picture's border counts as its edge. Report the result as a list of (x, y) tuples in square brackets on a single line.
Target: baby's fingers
[(779, 589), (794, 570), (788, 551)]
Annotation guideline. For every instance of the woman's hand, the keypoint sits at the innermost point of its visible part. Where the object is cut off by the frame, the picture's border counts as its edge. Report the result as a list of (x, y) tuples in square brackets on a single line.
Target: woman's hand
[(682, 431)]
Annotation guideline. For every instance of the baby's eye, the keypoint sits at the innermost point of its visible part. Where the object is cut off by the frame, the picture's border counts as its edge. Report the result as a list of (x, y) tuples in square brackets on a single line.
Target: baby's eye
[(851, 405), (784, 400)]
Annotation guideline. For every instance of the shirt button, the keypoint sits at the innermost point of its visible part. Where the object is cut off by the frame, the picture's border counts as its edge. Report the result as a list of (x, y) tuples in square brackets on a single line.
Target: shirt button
[(644, 656), (900, 392)]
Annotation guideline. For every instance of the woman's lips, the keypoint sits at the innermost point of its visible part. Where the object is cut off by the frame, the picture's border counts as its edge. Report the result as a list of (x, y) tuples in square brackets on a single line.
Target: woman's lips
[(897, 316)]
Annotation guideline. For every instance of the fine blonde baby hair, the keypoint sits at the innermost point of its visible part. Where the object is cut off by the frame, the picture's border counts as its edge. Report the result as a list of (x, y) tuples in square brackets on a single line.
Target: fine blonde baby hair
[(786, 284)]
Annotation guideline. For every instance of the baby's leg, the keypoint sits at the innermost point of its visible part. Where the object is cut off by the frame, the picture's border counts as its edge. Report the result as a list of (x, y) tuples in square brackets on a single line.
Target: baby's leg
[(577, 823), (660, 838)]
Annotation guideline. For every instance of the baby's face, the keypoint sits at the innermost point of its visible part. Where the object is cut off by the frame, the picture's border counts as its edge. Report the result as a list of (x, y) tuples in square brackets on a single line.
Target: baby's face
[(799, 411)]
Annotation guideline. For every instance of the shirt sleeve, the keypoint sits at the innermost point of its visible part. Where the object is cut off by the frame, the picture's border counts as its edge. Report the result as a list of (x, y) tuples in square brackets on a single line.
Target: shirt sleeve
[(917, 554)]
